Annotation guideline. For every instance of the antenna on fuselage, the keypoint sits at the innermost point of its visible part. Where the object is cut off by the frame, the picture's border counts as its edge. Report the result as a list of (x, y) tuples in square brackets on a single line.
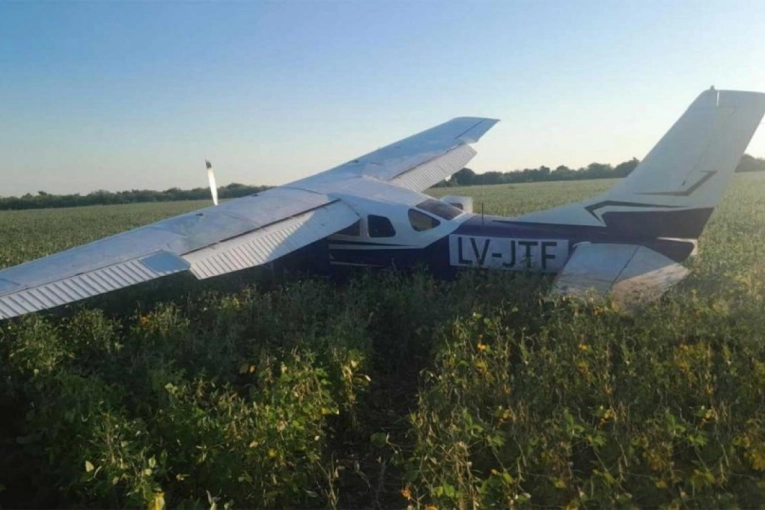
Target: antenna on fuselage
[(211, 181)]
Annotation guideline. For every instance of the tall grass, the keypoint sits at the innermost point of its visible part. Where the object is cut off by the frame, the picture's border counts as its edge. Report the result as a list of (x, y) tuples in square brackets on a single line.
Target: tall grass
[(395, 390)]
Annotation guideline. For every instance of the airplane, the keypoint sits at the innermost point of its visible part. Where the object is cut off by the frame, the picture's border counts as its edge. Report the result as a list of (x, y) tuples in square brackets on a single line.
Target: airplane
[(627, 243)]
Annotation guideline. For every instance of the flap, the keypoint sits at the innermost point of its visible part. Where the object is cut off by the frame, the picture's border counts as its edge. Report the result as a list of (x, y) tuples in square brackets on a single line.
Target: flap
[(272, 242)]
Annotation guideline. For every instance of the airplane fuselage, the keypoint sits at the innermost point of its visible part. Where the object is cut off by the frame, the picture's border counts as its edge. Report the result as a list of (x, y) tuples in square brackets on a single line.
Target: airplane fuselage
[(486, 242)]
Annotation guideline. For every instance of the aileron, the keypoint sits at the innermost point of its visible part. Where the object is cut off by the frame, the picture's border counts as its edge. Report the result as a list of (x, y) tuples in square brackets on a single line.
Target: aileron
[(89, 284), (436, 170)]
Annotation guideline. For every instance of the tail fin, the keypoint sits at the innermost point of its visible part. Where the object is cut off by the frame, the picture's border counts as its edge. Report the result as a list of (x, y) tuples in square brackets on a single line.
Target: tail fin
[(673, 191)]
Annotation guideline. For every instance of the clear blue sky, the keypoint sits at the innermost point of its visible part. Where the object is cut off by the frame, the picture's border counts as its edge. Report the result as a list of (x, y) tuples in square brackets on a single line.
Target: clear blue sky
[(120, 95)]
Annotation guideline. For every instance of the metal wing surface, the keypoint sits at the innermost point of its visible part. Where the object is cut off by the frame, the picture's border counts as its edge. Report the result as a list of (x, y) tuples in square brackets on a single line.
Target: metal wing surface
[(235, 235), (416, 163), (240, 233)]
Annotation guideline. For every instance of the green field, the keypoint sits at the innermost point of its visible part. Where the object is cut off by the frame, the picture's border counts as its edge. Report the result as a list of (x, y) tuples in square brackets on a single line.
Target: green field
[(389, 391)]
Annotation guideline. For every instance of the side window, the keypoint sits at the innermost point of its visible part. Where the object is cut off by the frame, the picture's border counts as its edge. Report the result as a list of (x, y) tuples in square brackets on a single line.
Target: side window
[(421, 221), (380, 226), (352, 230)]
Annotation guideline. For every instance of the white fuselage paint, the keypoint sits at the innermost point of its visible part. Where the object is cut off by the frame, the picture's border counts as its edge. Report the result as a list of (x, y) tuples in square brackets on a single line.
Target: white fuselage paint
[(511, 254)]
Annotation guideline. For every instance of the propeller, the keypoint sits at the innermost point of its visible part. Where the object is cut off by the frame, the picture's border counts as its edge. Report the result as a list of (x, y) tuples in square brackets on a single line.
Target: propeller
[(211, 180)]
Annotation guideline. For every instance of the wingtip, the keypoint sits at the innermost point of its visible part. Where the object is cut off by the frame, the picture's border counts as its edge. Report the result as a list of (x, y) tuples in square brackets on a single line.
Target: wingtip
[(476, 119), (480, 125)]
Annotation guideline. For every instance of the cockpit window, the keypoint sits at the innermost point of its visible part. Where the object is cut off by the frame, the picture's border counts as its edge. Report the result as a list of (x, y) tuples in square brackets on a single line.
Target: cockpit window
[(421, 221), (440, 209), (380, 226), (352, 230)]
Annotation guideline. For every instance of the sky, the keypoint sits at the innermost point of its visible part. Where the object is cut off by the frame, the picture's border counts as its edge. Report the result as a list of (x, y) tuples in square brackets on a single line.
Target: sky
[(122, 95)]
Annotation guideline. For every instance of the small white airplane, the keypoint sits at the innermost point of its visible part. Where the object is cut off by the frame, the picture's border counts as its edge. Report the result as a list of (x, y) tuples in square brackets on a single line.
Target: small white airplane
[(627, 242)]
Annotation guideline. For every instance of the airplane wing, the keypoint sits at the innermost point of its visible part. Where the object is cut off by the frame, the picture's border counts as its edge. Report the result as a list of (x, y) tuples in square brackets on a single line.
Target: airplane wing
[(241, 233), (416, 163), (630, 274), (237, 234)]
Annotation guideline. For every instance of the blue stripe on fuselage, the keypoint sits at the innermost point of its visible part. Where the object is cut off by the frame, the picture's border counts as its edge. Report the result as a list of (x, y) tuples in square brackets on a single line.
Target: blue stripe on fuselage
[(478, 252), (498, 226)]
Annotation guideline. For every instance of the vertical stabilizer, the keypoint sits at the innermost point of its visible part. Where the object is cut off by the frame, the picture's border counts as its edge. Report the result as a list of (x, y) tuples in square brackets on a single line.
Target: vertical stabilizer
[(673, 191)]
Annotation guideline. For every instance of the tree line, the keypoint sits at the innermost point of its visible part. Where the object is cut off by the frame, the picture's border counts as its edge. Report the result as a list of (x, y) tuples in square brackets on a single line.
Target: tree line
[(465, 177), (43, 200)]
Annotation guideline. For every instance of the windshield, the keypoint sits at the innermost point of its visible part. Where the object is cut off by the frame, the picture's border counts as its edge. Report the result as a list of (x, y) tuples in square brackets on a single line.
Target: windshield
[(439, 208)]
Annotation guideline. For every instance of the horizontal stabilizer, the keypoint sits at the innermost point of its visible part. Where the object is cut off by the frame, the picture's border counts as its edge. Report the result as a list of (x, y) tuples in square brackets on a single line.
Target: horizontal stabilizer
[(674, 190), (631, 274)]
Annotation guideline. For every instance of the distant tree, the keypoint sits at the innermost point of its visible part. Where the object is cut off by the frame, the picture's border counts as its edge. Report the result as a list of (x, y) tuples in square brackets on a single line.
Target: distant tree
[(491, 178), (624, 169), (599, 171), (561, 173), (750, 164), (464, 177)]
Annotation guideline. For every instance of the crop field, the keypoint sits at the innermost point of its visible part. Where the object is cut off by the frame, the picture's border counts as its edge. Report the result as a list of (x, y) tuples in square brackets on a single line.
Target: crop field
[(391, 390)]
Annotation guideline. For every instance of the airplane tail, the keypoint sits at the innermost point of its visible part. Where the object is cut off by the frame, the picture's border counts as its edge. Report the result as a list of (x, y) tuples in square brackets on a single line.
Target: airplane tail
[(674, 190)]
